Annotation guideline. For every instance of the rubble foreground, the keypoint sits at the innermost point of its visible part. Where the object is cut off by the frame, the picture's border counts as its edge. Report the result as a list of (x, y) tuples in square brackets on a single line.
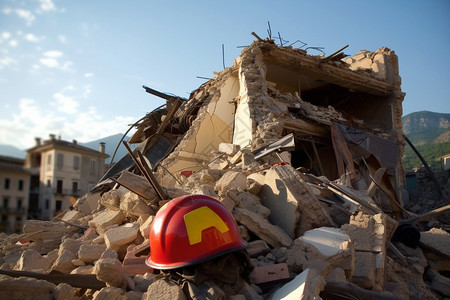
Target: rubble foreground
[(305, 152)]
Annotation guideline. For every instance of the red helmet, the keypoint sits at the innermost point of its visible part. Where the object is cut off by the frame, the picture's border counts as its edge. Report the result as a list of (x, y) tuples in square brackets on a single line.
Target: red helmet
[(191, 229)]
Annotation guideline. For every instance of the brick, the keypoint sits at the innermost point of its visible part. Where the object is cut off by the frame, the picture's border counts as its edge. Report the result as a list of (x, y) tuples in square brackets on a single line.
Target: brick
[(165, 290), (91, 253), (269, 273), (132, 204), (110, 271)]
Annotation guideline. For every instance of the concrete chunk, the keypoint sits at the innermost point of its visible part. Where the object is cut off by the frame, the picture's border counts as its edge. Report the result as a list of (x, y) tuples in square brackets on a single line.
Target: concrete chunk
[(273, 235), (25, 288), (294, 207), (269, 273), (165, 290), (91, 253), (106, 219), (132, 204), (231, 180), (110, 271), (229, 149), (119, 236)]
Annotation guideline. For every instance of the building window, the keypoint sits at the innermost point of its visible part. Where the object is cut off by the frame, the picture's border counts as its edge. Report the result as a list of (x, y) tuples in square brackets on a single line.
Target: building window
[(74, 187), (20, 185), (49, 159), (93, 166), (49, 184), (59, 160), (76, 162), (5, 202), (6, 185), (19, 203), (47, 204), (59, 186), (58, 205)]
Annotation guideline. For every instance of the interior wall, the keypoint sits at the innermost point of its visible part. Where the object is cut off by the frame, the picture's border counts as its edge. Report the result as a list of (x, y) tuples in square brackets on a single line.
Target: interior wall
[(215, 127)]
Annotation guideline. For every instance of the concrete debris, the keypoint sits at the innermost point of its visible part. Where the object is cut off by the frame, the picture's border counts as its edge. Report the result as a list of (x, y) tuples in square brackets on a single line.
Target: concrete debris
[(305, 153)]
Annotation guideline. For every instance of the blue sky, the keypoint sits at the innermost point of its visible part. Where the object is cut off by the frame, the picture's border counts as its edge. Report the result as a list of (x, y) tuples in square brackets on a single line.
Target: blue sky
[(76, 68)]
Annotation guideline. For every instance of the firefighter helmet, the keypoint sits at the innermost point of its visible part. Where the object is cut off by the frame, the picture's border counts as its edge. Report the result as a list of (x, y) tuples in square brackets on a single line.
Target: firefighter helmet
[(191, 229)]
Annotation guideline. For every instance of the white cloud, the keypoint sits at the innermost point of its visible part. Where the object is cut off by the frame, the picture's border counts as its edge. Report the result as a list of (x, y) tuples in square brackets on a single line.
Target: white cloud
[(87, 75), (66, 104), (6, 61), (47, 5), (26, 15), (13, 43), (49, 62), (53, 54), (37, 119), (7, 11), (6, 35), (31, 38)]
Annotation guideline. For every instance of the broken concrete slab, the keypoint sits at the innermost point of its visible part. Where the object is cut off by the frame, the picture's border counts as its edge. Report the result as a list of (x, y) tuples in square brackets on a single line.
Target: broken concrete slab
[(303, 286), (106, 219), (121, 236), (133, 204), (273, 235), (294, 207), (231, 180), (90, 253)]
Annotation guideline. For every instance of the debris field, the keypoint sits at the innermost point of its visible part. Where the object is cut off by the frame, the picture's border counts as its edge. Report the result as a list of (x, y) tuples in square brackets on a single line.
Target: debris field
[(304, 151)]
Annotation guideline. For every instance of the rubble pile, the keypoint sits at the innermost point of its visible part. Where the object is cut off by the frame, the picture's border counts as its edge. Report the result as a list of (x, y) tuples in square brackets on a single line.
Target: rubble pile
[(303, 150)]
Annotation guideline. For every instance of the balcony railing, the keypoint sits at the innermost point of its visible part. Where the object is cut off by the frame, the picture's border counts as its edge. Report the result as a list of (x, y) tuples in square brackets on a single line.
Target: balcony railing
[(12, 211), (70, 192)]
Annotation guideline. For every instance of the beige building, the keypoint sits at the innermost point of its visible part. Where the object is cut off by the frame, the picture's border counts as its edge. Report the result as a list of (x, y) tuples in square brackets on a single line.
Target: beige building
[(66, 170), (14, 193)]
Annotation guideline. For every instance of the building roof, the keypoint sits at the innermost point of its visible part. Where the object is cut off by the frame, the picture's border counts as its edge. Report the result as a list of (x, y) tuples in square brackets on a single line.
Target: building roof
[(70, 146), (12, 164)]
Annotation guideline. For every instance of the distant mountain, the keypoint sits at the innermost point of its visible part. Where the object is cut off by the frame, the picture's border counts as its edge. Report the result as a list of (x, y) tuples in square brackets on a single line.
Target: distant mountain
[(111, 143), (429, 132), (424, 127), (11, 151)]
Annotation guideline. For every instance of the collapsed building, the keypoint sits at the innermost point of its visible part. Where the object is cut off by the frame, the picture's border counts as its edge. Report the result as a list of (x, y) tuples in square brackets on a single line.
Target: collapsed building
[(305, 151)]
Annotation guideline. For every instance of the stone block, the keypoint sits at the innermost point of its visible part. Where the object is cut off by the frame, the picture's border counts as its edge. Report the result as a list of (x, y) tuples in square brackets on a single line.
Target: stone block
[(145, 226), (293, 205), (165, 290), (250, 202), (110, 271), (32, 260), (438, 239), (229, 149), (106, 219), (120, 236), (65, 291), (133, 204), (111, 199), (257, 248), (72, 215), (269, 273), (64, 261), (91, 253), (88, 203), (25, 288), (364, 274), (271, 234), (88, 269), (109, 293), (231, 180)]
